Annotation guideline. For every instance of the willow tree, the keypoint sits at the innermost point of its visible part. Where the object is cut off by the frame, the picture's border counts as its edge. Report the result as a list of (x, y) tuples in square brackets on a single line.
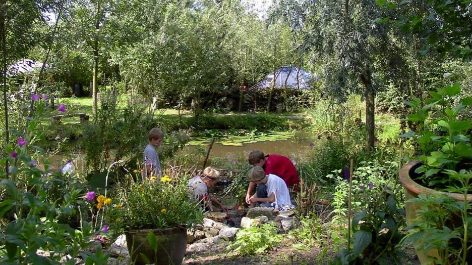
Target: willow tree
[(354, 47)]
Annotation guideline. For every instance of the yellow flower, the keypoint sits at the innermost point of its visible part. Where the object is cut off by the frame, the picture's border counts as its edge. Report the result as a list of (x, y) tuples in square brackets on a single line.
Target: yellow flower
[(166, 179), (118, 220), (118, 206), (99, 206), (101, 199), (135, 171), (107, 201), (163, 211)]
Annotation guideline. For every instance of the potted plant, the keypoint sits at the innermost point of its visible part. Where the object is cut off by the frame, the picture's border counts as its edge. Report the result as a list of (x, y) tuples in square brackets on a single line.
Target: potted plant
[(443, 172), (154, 215)]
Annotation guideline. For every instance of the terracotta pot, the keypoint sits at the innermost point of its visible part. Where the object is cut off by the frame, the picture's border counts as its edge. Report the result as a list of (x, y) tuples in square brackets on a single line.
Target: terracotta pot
[(171, 246), (413, 189)]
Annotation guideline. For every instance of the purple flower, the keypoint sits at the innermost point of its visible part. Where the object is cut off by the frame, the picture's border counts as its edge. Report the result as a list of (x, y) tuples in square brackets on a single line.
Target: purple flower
[(14, 154), (62, 108), (361, 187), (371, 185), (105, 229), (21, 142), (90, 196), (33, 163), (68, 161), (45, 97), (35, 97)]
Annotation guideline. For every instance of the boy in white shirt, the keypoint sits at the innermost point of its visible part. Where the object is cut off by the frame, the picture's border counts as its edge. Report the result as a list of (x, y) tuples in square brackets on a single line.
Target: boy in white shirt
[(278, 195)]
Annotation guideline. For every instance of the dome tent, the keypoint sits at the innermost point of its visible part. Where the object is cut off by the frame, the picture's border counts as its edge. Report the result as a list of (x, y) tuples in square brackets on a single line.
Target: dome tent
[(286, 76)]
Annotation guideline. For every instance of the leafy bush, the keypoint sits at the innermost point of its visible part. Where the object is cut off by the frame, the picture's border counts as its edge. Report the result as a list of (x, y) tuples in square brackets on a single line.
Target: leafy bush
[(256, 240)]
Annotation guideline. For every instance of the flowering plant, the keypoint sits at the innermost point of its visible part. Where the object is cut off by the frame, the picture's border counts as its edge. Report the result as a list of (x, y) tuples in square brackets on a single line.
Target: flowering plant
[(152, 204)]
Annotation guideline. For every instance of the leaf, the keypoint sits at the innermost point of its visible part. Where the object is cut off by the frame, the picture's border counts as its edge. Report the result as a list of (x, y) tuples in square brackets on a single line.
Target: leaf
[(381, 2), (151, 238), (453, 90), (463, 150), (431, 172), (392, 204), (466, 101), (407, 134), (461, 126), (361, 240), (358, 217), (444, 124), (146, 260)]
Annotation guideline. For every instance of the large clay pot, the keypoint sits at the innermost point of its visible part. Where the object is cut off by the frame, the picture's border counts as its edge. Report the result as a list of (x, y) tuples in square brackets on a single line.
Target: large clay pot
[(171, 245), (413, 189)]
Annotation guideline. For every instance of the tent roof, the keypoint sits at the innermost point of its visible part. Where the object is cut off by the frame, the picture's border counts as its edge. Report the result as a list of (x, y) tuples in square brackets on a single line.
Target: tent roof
[(287, 76), (24, 66)]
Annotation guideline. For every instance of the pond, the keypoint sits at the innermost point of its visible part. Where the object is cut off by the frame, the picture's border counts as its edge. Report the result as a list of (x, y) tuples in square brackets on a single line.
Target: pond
[(295, 145)]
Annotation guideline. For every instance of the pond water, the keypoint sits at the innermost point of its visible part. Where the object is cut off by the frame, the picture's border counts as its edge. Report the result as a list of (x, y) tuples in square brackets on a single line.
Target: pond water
[(295, 149)]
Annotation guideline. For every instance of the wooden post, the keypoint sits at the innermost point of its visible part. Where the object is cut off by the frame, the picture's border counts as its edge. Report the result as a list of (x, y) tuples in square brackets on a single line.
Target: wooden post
[(208, 153), (349, 207)]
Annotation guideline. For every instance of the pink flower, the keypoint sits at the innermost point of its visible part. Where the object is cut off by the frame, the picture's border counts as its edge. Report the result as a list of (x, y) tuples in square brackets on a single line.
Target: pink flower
[(45, 97), (90, 196), (14, 154), (62, 108), (105, 229), (21, 142), (35, 97)]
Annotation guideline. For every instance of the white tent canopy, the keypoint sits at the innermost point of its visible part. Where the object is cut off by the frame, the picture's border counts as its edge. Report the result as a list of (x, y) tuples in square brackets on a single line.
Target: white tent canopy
[(287, 76), (24, 66)]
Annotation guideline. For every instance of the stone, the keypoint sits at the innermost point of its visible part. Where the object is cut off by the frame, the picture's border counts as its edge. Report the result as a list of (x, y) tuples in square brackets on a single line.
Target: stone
[(247, 222), (286, 214), (228, 233), (211, 232), (118, 261), (119, 247), (194, 234), (215, 216), (209, 223), (287, 224), (209, 240), (198, 247), (261, 211), (93, 245)]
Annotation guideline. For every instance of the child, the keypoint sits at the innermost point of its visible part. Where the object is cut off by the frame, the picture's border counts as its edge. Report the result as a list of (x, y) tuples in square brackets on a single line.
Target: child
[(278, 165), (151, 158), (277, 196), (198, 188)]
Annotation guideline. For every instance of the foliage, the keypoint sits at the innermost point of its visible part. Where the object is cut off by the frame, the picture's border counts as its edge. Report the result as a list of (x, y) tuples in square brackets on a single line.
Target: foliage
[(443, 26), (442, 137), (39, 206), (309, 233), (443, 227), (256, 240), (374, 192), (153, 204), (376, 229)]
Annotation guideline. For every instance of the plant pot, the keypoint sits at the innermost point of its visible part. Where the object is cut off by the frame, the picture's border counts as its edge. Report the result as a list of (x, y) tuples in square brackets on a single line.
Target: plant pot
[(413, 189), (171, 245)]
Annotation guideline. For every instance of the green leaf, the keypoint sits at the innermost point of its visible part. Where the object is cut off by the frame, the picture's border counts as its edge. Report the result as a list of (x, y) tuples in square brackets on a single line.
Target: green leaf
[(461, 126), (392, 204), (151, 238), (453, 90), (466, 101), (444, 124), (358, 217), (407, 134), (146, 260), (431, 172), (361, 240), (463, 150), (381, 2)]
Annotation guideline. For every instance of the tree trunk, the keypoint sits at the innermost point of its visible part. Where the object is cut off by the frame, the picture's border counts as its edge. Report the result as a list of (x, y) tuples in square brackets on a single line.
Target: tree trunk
[(366, 78), (95, 63), (3, 30)]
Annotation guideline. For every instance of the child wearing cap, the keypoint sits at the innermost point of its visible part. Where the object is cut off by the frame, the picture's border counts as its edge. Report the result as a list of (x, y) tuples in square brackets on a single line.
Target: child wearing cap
[(277, 196), (198, 188)]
